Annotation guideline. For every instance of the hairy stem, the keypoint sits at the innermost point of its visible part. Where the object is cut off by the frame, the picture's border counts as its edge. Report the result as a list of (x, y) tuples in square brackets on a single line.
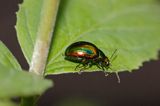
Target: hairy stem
[(44, 36)]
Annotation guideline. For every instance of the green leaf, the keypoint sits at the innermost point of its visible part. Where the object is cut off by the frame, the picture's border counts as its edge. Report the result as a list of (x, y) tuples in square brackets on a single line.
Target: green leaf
[(7, 59), (20, 83), (28, 17), (6, 103), (132, 27)]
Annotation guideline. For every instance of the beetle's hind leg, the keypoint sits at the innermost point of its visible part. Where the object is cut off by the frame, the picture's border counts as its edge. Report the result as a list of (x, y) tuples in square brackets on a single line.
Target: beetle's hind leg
[(83, 65)]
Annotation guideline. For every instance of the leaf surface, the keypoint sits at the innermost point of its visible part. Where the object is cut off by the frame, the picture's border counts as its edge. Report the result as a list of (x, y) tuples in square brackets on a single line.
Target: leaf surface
[(6, 57), (28, 18), (6, 103), (131, 26), (20, 83)]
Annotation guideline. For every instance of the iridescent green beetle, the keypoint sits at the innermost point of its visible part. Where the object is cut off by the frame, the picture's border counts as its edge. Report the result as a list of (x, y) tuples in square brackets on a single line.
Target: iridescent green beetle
[(87, 55)]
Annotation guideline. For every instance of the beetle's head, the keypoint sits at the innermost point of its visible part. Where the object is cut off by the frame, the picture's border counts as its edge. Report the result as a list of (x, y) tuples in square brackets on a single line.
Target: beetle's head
[(104, 62)]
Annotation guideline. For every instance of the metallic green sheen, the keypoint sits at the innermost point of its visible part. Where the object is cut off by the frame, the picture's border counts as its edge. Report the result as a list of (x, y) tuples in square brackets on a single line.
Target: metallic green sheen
[(86, 54), (82, 49)]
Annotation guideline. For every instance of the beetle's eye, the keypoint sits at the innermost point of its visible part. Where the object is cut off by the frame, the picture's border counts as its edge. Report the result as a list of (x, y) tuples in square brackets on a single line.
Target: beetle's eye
[(107, 62)]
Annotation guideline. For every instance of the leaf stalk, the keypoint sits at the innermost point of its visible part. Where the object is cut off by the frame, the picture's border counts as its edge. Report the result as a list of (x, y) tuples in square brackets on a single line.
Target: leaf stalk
[(44, 36)]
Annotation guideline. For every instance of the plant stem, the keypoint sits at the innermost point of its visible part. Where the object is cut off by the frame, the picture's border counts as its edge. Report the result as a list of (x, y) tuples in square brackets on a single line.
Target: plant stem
[(44, 36), (28, 101), (42, 45)]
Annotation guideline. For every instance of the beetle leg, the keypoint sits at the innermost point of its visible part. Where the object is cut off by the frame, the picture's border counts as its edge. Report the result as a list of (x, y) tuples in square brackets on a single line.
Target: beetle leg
[(101, 66), (105, 70), (98, 66), (83, 67), (86, 65), (89, 64), (78, 66)]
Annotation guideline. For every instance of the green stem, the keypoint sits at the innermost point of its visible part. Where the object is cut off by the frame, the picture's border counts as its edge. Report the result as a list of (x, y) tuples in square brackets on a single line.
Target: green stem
[(44, 36), (42, 45), (28, 101)]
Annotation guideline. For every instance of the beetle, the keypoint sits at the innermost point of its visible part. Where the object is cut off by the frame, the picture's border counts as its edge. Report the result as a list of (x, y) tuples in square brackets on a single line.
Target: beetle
[(87, 55)]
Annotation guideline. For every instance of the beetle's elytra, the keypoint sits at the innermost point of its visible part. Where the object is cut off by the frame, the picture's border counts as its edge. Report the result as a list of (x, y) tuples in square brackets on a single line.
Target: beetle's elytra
[(87, 55)]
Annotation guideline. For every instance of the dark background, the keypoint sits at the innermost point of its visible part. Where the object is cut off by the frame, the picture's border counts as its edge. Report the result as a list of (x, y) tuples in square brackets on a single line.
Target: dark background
[(139, 88)]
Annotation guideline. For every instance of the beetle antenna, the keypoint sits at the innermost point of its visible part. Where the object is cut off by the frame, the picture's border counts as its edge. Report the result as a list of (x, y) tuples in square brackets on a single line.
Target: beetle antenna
[(112, 56)]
